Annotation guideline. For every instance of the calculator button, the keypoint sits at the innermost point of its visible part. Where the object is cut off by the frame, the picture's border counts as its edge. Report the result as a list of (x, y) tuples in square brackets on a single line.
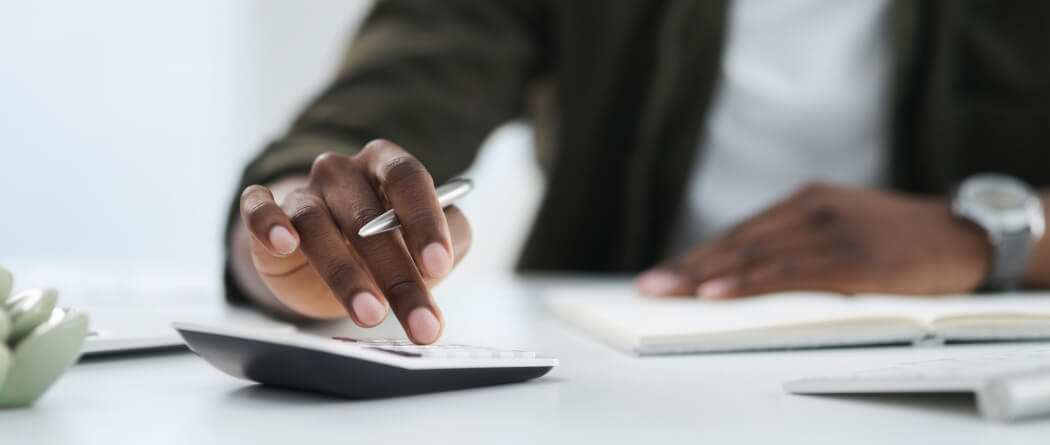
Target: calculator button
[(406, 348), (432, 353), (525, 354), (456, 352), (480, 353), (394, 351)]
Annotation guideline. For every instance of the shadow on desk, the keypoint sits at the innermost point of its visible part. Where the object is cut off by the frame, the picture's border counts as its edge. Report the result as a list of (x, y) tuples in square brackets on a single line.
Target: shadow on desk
[(103, 357), (273, 394), (256, 393), (952, 404)]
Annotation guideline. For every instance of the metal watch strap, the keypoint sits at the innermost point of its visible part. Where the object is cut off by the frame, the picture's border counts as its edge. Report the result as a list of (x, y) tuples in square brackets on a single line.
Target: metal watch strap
[(1010, 260)]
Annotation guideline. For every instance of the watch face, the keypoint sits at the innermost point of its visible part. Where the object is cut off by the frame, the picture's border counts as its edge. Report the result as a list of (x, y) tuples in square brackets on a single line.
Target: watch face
[(997, 202), (1000, 198)]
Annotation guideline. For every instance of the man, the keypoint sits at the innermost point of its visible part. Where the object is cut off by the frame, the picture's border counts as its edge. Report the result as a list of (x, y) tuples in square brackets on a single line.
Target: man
[(665, 127)]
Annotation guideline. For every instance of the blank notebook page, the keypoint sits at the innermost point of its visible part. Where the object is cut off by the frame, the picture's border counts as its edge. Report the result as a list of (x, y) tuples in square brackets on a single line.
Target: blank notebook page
[(626, 311)]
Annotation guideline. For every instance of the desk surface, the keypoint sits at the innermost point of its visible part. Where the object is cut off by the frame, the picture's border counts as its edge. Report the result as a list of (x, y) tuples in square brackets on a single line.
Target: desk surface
[(596, 395)]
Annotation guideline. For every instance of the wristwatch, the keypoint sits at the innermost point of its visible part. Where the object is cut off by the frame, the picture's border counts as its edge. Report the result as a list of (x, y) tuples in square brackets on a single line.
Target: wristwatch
[(1011, 213)]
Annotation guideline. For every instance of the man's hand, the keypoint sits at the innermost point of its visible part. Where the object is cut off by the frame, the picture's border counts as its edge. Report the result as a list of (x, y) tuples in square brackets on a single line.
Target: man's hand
[(834, 239), (307, 251)]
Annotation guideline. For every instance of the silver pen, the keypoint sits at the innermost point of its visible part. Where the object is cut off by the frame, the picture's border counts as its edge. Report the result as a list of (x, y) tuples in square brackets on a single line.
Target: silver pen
[(447, 193)]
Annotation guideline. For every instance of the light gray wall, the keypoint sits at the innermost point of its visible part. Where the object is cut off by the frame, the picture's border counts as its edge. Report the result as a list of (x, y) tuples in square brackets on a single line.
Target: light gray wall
[(123, 126)]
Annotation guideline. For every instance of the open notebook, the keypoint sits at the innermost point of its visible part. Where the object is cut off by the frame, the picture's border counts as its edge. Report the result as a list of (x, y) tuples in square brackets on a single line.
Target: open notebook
[(796, 320)]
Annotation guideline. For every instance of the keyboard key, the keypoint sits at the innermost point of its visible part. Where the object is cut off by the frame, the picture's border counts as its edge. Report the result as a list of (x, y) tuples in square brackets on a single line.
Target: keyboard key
[(980, 366)]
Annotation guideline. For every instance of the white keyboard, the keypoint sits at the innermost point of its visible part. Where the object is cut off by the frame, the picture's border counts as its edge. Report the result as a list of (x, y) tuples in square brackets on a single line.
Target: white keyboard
[(1009, 385)]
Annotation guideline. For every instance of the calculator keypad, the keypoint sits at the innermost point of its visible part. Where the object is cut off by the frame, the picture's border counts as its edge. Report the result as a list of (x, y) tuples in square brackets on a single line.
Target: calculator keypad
[(406, 348)]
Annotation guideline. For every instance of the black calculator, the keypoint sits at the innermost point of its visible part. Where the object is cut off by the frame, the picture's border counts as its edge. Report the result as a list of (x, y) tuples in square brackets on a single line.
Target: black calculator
[(356, 368)]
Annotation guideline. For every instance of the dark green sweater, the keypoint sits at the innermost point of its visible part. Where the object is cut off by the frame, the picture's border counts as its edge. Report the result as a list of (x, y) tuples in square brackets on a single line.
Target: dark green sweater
[(617, 92)]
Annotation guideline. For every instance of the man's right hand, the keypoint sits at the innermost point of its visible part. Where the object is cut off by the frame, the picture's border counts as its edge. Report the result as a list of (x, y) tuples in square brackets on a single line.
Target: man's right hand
[(306, 250)]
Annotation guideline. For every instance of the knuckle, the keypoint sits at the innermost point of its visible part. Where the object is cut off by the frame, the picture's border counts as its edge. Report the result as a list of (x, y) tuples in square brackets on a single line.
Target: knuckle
[(255, 207), (733, 237), (402, 169), (822, 215), (402, 287), (377, 145), (750, 253), (253, 190), (340, 275), (421, 218), (364, 216), (256, 217), (327, 163), (818, 207), (308, 213), (253, 204), (814, 188), (811, 193)]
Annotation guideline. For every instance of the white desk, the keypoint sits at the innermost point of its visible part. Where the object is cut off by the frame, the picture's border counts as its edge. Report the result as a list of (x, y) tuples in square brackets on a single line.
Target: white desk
[(597, 395)]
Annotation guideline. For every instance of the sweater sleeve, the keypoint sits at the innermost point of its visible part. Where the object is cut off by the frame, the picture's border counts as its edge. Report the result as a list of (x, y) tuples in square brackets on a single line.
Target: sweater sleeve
[(435, 77)]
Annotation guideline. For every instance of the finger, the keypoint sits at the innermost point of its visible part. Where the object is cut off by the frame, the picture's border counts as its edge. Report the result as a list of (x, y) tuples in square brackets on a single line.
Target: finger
[(813, 271), (409, 189), (462, 237), (782, 228), (662, 282), (680, 276), (684, 277), (792, 242), (326, 249), (348, 192), (267, 223)]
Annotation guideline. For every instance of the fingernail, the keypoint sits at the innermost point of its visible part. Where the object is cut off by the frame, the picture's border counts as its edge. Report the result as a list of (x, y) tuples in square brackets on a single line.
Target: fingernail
[(282, 240), (714, 289), (436, 260), (368, 309), (423, 325), (658, 283)]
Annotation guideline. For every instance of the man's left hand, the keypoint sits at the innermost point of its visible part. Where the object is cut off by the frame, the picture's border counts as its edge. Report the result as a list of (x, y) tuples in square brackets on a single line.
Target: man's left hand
[(838, 239)]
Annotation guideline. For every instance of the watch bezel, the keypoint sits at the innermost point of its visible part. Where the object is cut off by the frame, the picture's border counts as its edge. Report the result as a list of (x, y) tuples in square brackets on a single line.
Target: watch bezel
[(1026, 216)]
